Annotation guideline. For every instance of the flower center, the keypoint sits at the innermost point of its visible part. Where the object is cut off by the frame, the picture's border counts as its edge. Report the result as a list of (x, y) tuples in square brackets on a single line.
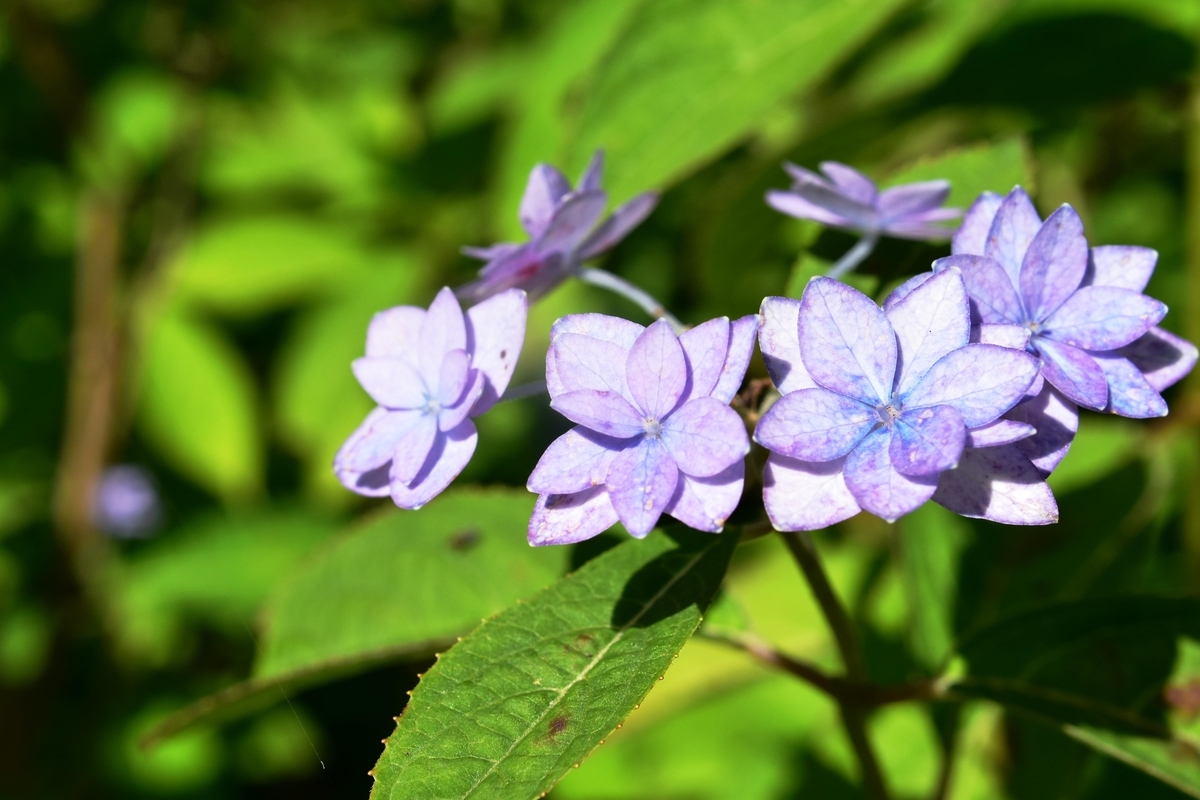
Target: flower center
[(652, 427), (432, 406), (888, 413)]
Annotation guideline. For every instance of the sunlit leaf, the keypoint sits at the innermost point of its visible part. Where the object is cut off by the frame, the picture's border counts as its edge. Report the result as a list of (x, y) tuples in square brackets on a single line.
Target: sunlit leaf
[(931, 540), (1102, 445), (992, 167)]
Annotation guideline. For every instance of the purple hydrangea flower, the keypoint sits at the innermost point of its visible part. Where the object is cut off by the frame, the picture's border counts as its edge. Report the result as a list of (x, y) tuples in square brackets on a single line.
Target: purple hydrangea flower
[(563, 233), (654, 435), (1088, 319), (880, 406), (430, 372), (125, 502), (845, 198)]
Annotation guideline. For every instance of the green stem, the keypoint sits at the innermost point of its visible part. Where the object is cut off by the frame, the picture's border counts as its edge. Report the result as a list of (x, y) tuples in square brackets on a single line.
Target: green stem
[(618, 285)]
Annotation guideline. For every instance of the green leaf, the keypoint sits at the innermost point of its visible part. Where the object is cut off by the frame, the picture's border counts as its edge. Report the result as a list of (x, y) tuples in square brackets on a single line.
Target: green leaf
[(1101, 446), (991, 167), (510, 708), (692, 77), (197, 404), (932, 539)]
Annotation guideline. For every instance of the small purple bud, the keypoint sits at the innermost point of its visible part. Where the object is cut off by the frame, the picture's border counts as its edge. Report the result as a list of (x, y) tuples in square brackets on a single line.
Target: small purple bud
[(125, 502)]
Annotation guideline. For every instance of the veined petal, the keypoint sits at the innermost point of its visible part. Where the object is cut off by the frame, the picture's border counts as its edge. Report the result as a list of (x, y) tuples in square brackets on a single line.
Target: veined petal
[(927, 441), (877, 485), (545, 188), (442, 330), (1002, 334), (815, 425), (1000, 484), (572, 221), (905, 289), (413, 448), (704, 347), (604, 412), (656, 371), (981, 381), (1123, 266), (393, 333), (618, 225), (1103, 318), (992, 294), (742, 334), (806, 495), (1002, 431), (909, 199), (1074, 373), (372, 444), (705, 436), (971, 236), (851, 182), (495, 334), (577, 460), (576, 362), (1056, 419), (932, 320), (391, 382), (570, 518), (620, 332), (1162, 357), (448, 457), (1013, 228), (1129, 393), (1054, 264), (705, 503), (641, 482), (779, 340), (846, 341), (794, 205)]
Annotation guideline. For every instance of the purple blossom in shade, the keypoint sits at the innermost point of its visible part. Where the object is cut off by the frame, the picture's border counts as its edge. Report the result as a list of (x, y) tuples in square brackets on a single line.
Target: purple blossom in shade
[(125, 502), (1088, 319), (879, 405), (430, 372), (845, 198), (563, 234), (654, 431)]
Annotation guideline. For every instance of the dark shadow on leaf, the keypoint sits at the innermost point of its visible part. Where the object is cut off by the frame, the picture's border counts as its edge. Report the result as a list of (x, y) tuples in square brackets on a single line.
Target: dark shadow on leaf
[(674, 581)]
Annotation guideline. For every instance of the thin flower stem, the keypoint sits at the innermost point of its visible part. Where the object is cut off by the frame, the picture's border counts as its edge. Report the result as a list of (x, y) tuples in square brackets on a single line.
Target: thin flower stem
[(617, 285), (854, 256), (524, 390)]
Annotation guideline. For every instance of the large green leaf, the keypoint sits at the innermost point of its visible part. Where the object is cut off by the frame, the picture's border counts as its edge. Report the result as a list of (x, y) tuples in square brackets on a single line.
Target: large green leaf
[(990, 166), (692, 77), (932, 540), (513, 706)]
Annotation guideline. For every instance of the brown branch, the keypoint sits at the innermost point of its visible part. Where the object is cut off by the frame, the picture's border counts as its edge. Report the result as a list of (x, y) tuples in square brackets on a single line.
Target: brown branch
[(46, 61)]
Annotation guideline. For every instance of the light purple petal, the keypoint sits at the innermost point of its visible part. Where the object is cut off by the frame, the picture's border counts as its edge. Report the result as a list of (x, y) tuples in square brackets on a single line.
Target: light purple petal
[(971, 236), (451, 416), (992, 293), (1013, 228), (450, 454), (803, 175), (905, 289), (862, 216), (912, 198), (779, 340), (1002, 431), (705, 436), (393, 333), (981, 381), (521, 268), (815, 425), (705, 503), (656, 371), (576, 362), (1163, 357), (742, 334), (572, 221), (926, 441), (1103, 318), (570, 518), (453, 376), (620, 332), (544, 190), (1003, 334), (1074, 373), (577, 460), (704, 347), (641, 482), (604, 412), (805, 495), (442, 330), (932, 320), (391, 382), (1000, 484), (796, 206), (1129, 393), (618, 225), (1054, 264), (877, 485), (846, 341), (593, 176), (490, 253), (413, 449), (1123, 266), (372, 444), (917, 231), (495, 333), (851, 182), (1056, 419)]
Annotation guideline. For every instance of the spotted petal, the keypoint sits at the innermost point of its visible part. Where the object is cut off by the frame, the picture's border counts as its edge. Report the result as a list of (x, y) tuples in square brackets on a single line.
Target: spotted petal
[(877, 485), (495, 334), (1123, 266), (927, 441), (570, 518), (641, 482), (705, 503), (577, 460)]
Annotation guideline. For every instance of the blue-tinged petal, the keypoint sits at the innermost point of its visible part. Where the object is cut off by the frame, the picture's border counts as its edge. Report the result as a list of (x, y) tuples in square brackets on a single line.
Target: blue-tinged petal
[(846, 341), (1123, 266), (704, 348), (931, 321), (641, 482), (1013, 228), (450, 453), (443, 329), (391, 382), (656, 371), (572, 221), (877, 485), (992, 294), (522, 267), (981, 381), (926, 441), (806, 495), (815, 425), (545, 188), (1003, 334), (393, 333), (372, 445), (576, 362), (779, 340), (1055, 420), (414, 448), (794, 205), (1129, 393), (911, 199), (999, 484), (850, 182), (861, 216), (1074, 373), (705, 436), (577, 460), (604, 412), (495, 333), (570, 518), (1002, 431), (905, 289), (705, 503), (971, 236), (618, 225), (1054, 264), (742, 334), (1162, 357), (1103, 318)]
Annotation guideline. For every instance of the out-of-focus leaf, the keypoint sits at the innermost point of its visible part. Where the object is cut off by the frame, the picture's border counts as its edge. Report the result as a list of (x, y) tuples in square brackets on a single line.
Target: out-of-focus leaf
[(692, 77), (138, 114), (1102, 445), (908, 748), (197, 403), (1182, 17), (931, 541), (279, 744), (995, 166), (188, 762), (24, 644), (553, 676)]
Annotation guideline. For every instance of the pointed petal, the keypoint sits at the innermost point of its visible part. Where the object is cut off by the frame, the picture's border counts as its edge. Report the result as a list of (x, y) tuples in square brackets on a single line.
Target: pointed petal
[(861, 216), (779, 340), (593, 176), (705, 503), (620, 332), (393, 333), (927, 441), (618, 225), (1162, 357), (846, 341), (794, 205), (1129, 393), (992, 293), (1000, 484), (490, 253), (815, 425), (911, 199), (576, 362), (1074, 373), (1013, 228), (1123, 266), (391, 382), (522, 268), (1054, 264), (877, 485), (544, 190), (971, 236), (705, 436), (981, 381), (372, 444), (413, 449), (572, 221), (1056, 419), (570, 518), (1003, 334), (641, 482), (806, 496), (577, 460), (442, 330), (737, 359), (1103, 318), (449, 456), (851, 182), (932, 320), (451, 416), (453, 376), (604, 412), (802, 175), (656, 371), (905, 289), (704, 347), (1002, 431), (495, 333)]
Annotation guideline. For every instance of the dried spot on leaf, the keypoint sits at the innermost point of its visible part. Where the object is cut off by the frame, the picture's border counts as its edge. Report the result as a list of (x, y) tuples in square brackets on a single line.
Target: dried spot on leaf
[(464, 540), (559, 724)]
